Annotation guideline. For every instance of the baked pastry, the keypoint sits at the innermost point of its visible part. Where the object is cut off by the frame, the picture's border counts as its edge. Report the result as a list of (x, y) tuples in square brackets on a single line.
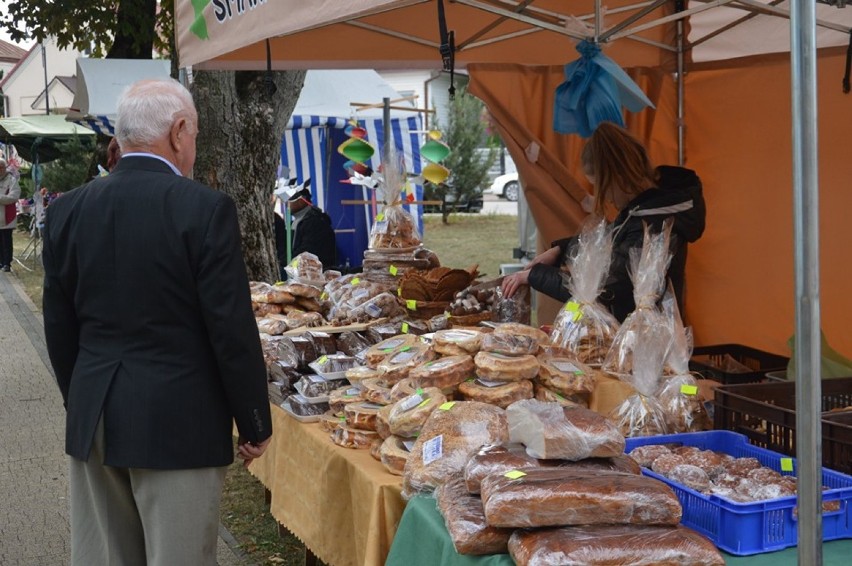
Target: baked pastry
[(361, 415), (396, 366), (450, 436), (378, 353), (304, 407), (376, 391), (457, 341), (318, 386), (382, 421), (393, 454), (465, 520), (443, 373), (260, 310), (497, 393), (376, 449), (645, 455), (550, 431), (349, 437), (342, 396), (546, 497), (573, 380), (542, 393), (359, 373), (509, 344), (329, 421), (403, 389), (407, 417), (271, 326), (276, 294), (498, 367), (301, 290), (519, 329), (613, 545)]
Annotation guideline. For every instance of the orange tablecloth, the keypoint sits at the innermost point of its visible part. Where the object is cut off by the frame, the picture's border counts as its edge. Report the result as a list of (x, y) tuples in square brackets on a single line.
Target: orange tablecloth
[(340, 502)]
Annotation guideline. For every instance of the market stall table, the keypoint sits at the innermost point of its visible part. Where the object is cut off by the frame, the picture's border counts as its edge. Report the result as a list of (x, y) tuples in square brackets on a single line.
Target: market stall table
[(340, 502), (422, 540)]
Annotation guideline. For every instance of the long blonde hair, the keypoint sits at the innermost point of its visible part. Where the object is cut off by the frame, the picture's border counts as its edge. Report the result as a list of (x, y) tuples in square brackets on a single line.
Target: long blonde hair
[(617, 160)]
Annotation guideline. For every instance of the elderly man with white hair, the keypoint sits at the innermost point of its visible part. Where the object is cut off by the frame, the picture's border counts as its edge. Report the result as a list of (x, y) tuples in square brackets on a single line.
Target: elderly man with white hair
[(10, 192), (151, 335)]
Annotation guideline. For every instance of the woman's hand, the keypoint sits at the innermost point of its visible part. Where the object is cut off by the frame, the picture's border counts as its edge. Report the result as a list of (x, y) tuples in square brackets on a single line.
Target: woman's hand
[(511, 283), (550, 257)]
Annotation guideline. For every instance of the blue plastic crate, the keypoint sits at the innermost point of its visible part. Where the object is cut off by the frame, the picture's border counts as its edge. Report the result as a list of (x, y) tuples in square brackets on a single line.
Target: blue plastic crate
[(750, 528)]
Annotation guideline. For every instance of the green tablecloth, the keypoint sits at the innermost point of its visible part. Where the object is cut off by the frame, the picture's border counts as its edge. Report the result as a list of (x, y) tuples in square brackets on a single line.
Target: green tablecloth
[(422, 540)]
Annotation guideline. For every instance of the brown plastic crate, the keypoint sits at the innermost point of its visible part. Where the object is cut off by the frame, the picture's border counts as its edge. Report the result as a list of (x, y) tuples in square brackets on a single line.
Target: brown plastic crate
[(837, 440), (765, 413), (709, 361)]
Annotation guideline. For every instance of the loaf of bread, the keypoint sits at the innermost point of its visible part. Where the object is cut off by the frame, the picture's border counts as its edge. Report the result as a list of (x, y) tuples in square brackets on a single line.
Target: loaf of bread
[(376, 391), (542, 393), (376, 449), (349, 437), (304, 407), (361, 415), (351, 343), (271, 326), (497, 460), (396, 366), (613, 545), (302, 290), (544, 497), (403, 389), (573, 380), (450, 436), (509, 344), (276, 294), (357, 374), (329, 421), (443, 373), (325, 344), (550, 431), (457, 341), (465, 520), (380, 352), (498, 367), (408, 415), (383, 422), (393, 455), (343, 396), (639, 415), (332, 365), (261, 310), (497, 393), (519, 329)]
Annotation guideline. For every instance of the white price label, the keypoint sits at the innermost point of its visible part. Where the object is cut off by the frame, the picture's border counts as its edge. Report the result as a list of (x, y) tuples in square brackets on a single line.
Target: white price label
[(410, 402), (373, 310), (409, 444), (433, 449), (567, 367), (380, 227), (489, 382), (316, 378)]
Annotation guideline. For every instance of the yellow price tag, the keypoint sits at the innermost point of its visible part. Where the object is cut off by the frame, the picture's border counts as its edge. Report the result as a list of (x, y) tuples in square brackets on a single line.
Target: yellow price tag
[(447, 406), (405, 328), (786, 464), (280, 283), (447, 315), (324, 296), (689, 389), (294, 263), (393, 270), (356, 280), (574, 307), (380, 216), (514, 474), (322, 360), (411, 304)]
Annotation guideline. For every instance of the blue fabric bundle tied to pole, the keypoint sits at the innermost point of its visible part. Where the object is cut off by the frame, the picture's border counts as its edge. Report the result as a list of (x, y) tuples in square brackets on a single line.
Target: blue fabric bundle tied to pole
[(594, 91)]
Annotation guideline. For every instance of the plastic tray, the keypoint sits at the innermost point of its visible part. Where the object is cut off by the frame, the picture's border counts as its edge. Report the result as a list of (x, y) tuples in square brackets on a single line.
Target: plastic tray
[(301, 418), (750, 528), (766, 414), (708, 361)]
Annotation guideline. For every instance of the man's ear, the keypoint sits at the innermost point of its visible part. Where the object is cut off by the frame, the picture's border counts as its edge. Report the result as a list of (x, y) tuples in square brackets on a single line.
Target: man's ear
[(178, 134)]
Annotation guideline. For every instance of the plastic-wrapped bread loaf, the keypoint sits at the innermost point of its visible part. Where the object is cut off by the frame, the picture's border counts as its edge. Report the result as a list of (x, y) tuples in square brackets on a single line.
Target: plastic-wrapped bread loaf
[(465, 520), (349, 437), (329, 421), (359, 373), (613, 545), (376, 391), (271, 326), (573, 380), (380, 352), (519, 329), (549, 497), (302, 290), (550, 431), (443, 373), (450, 436), (376, 448), (497, 460), (274, 294), (393, 454), (509, 344), (457, 341), (407, 417), (402, 390), (396, 366), (498, 367), (382, 422), (497, 393), (542, 393), (361, 415)]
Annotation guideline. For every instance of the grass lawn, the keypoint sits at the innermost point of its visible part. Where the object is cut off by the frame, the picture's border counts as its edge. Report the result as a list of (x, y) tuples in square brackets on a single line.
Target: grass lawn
[(467, 239)]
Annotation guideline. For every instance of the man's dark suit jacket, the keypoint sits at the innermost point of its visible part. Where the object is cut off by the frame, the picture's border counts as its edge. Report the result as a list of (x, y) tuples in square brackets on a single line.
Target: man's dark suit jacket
[(148, 320)]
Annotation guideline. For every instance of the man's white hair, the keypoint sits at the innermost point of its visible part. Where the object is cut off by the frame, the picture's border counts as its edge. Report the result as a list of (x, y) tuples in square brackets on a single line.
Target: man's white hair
[(147, 109)]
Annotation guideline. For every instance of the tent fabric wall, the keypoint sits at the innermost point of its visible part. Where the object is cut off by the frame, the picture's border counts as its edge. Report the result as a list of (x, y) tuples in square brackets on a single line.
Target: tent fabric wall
[(740, 275), (309, 149)]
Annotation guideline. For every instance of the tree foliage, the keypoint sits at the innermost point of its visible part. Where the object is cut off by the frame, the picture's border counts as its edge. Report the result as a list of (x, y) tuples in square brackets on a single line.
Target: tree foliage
[(71, 169), (468, 162)]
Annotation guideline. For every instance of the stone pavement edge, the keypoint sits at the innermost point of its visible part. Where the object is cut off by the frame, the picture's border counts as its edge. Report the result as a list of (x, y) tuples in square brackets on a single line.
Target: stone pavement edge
[(34, 514)]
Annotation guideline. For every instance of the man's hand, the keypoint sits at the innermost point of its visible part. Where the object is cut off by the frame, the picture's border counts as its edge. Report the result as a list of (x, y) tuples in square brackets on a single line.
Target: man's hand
[(511, 283), (248, 451), (549, 257)]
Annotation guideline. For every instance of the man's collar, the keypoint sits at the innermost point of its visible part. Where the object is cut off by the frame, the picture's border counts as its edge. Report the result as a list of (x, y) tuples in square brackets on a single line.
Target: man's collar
[(155, 156)]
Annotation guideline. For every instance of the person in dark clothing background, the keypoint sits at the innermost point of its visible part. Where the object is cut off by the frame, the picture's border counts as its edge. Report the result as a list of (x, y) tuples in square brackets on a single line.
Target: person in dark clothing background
[(617, 165), (312, 230)]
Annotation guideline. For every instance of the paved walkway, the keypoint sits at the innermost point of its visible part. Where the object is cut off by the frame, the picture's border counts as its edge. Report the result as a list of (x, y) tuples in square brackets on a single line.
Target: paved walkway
[(34, 518)]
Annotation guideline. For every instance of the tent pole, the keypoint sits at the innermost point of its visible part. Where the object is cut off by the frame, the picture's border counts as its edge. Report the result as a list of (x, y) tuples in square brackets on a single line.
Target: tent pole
[(806, 237), (680, 92)]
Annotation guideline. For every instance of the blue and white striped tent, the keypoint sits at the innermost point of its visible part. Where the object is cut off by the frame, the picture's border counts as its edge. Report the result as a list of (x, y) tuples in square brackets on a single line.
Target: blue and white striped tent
[(316, 129)]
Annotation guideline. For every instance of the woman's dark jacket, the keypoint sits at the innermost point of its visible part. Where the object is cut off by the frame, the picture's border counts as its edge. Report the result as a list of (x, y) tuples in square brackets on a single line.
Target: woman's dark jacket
[(678, 196)]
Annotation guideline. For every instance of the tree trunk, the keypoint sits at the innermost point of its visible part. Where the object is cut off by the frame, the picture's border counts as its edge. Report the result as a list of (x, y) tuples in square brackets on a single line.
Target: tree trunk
[(239, 149)]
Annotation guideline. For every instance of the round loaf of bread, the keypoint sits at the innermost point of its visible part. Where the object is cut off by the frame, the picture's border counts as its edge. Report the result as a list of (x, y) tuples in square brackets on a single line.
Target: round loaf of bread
[(457, 341), (376, 448), (542, 393), (403, 389), (509, 344), (443, 373), (498, 367), (395, 367), (393, 454), (568, 377), (376, 391), (408, 415), (500, 395), (382, 421), (352, 437), (329, 421), (519, 329), (380, 352), (301, 290), (361, 415), (360, 373), (343, 396)]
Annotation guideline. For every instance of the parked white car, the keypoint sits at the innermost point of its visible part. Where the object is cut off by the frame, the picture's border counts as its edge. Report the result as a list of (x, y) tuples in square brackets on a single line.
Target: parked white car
[(506, 186)]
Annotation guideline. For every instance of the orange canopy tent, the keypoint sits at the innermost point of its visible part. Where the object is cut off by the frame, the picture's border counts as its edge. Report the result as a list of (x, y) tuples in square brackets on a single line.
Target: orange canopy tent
[(719, 73)]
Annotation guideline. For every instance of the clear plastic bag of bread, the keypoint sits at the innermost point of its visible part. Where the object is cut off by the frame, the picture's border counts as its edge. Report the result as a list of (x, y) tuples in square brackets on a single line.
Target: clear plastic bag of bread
[(516, 309), (394, 226), (306, 268), (678, 392), (584, 326), (642, 414), (648, 267)]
